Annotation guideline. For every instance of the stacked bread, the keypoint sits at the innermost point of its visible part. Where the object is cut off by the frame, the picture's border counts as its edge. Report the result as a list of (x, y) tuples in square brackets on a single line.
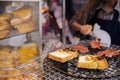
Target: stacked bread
[(4, 25), (92, 62), (22, 20), (63, 55)]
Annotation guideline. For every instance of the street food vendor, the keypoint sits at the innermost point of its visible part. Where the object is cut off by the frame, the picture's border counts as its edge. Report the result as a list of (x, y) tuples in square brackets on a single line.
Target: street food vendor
[(101, 12)]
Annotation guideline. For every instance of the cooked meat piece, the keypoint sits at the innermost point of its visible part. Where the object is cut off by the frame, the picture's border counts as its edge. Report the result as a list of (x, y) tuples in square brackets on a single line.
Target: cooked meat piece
[(81, 48), (95, 44), (107, 53)]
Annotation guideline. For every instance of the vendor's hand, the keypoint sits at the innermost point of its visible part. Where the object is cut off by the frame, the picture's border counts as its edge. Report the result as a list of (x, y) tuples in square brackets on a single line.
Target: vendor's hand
[(86, 29)]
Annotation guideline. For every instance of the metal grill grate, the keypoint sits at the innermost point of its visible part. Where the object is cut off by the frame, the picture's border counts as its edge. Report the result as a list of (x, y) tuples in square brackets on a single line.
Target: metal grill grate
[(53, 71)]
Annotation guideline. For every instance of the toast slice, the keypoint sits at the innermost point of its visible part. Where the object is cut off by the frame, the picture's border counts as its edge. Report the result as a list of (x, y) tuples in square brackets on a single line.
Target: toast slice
[(63, 55)]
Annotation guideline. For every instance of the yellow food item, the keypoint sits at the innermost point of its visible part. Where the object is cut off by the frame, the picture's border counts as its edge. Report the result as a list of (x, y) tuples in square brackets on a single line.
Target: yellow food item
[(63, 56), (6, 59), (4, 25), (27, 52), (25, 27), (5, 17), (92, 62), (4, 33), (23, 13)]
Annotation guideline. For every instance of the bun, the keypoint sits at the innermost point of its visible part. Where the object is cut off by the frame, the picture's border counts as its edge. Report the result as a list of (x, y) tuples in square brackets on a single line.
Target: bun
[(92, 62), (63, 55), (4, 25), (4, 33), (23, 13), (25, 27), (5, 17), (16, 21)]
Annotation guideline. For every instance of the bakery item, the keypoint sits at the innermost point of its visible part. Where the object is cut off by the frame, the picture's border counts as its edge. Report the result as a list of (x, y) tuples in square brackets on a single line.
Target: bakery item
[(92, 62), (23, 13), (5, 58), (102, 64), (87, 61), (15, 58), (5, 17), (4, 33), (16, 21), (4, 25), (27, 52), (25, 27), (63, 55)]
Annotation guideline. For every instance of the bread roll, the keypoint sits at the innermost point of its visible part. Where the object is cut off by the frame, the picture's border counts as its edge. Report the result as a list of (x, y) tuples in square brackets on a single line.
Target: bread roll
[(23, 13), (25, 27), (5, 17), (4, 33), (4, 25), (16, 21)]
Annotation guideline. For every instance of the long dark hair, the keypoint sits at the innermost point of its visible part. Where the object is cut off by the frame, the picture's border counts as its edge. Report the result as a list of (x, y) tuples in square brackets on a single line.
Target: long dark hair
[(89, 10)]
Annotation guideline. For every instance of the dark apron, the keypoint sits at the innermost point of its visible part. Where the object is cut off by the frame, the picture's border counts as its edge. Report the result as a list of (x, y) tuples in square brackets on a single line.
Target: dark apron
[(110, 26)]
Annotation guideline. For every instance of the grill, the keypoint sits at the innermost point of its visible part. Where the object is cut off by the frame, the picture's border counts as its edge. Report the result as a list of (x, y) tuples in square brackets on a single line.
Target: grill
[(68, 70)]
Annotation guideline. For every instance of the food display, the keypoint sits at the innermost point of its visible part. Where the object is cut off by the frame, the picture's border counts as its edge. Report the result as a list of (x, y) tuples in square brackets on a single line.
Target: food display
[(22, 20), (12, 58), (18, 18), (92, 62), (63, 55)]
